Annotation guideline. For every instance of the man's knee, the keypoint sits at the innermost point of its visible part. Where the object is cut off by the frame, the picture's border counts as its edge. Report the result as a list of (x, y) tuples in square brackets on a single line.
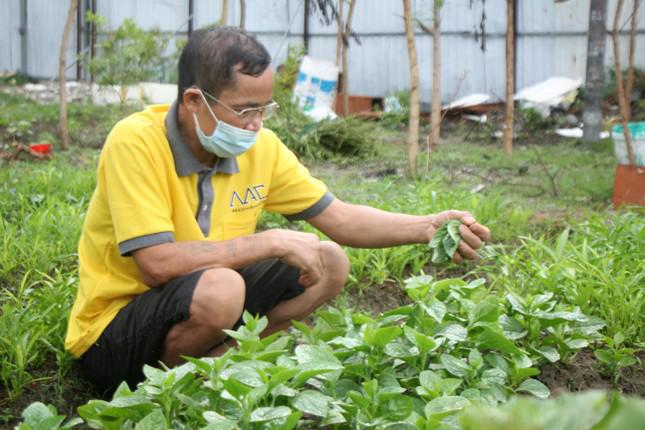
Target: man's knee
[(336, 267), (218, 300)]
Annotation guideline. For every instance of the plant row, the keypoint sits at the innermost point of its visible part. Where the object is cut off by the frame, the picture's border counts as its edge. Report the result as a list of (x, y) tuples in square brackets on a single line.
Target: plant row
[(415, 366)]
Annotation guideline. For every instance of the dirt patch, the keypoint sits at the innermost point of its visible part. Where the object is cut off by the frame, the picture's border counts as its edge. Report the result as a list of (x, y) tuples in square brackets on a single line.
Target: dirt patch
[(584, 372), (66, 396), (377, 299)]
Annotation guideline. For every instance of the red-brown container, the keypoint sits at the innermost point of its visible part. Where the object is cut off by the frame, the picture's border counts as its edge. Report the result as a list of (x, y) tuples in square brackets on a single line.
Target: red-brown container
[(357, 104), (629, 185), (41, 148)]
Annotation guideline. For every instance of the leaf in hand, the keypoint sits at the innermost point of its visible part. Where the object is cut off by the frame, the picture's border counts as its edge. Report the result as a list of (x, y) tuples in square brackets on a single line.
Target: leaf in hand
[(445, 242)]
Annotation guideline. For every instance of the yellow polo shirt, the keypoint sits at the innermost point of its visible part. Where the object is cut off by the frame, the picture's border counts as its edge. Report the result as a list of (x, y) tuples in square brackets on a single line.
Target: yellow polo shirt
[(151, 190)]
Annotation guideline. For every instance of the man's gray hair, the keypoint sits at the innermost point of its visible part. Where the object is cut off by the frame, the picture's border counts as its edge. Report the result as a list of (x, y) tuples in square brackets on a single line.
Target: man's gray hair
[(210, 57)]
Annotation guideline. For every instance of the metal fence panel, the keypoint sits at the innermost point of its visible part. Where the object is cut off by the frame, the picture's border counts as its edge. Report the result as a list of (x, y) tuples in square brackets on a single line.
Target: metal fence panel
[(10, 36), (45, 23), (551, 38), (166, 15)]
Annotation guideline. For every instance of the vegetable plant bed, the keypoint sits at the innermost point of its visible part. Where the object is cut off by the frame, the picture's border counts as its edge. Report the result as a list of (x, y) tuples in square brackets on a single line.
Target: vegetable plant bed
[(415, 366)]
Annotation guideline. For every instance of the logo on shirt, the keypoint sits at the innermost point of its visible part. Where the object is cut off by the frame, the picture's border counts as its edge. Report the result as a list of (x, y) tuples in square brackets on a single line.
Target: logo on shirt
[(247, 199)]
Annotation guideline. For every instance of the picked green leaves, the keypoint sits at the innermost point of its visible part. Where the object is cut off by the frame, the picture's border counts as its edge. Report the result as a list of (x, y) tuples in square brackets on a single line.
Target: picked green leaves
[(445, 242)]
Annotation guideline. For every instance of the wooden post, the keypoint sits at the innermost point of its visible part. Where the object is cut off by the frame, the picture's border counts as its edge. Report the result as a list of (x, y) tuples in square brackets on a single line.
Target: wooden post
[(79, 42), (62, 78), (339, 34), (346, 34), (223, 19), (620, 89), (435, 115), (413, 125), (242, 14), (510, 76), (629, 86)]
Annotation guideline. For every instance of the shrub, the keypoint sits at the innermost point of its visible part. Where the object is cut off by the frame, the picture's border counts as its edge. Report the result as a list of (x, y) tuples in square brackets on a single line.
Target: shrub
[(128, 56), (344, 136)]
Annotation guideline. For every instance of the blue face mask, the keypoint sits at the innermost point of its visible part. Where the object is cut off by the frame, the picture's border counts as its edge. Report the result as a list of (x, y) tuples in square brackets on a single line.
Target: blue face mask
[(227, 141)]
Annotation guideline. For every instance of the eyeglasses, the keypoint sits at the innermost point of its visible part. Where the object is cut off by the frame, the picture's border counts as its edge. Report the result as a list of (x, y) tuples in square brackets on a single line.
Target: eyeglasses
[(249, 114)]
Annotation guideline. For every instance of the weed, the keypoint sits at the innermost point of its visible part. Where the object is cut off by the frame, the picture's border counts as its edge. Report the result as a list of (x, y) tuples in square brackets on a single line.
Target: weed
[(616, 356)]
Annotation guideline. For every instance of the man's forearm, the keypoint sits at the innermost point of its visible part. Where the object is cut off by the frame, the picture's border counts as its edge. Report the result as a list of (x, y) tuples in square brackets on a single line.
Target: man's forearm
[(160, 263), (367, 227)]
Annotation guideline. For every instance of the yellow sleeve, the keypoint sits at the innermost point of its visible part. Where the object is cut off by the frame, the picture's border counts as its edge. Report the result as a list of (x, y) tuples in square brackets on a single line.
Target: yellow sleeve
[(294, 192), (136, 191)]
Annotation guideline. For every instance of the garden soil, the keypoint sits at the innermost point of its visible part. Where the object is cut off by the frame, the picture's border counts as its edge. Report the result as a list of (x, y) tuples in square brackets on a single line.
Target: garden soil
[(583, 373)]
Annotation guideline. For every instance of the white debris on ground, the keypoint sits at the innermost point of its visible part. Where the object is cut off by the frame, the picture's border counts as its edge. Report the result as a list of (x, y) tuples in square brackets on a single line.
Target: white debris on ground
[(469, 100), (48, 92), (477, 118), (546, 95), (576, 133)]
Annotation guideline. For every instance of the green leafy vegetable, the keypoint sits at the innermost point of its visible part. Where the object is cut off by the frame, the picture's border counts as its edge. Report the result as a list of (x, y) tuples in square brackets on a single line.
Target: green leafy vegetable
[(456, 346), (445, 242)]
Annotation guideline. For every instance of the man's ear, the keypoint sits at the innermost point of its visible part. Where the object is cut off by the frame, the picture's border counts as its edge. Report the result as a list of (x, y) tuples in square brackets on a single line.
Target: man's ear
[(192, 99)]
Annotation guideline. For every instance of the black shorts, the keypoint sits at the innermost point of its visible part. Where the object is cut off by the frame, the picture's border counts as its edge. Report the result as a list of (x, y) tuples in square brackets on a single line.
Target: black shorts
[(136, 335)]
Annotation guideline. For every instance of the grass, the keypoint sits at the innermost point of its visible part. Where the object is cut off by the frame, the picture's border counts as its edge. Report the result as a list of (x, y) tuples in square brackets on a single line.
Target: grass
[(598, 265), (88, 123), (571, 244), (583, 175), (42, 208)]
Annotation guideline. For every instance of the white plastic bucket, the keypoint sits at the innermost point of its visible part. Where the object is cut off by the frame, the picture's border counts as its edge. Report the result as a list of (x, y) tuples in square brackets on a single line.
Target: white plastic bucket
[(637, 131)]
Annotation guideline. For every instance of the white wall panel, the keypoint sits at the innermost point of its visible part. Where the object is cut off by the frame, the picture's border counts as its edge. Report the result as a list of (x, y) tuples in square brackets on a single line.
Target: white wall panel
[(45, 23), (9, 36), (551, 39)]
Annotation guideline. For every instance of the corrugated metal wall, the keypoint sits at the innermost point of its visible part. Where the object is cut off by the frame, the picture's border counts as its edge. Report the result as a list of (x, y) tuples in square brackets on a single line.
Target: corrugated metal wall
[(551, 38), (10, 35), (44, 30)]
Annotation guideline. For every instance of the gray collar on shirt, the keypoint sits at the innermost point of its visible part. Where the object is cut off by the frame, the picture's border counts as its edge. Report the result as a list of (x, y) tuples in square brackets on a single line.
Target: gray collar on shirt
[(185, 161)]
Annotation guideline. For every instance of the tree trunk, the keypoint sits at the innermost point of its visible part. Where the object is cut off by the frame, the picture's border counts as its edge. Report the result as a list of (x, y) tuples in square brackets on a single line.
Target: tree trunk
[(346, 35), (223, 19), (435, 116), (242, 14), (620, 89), (629, 86), (595, 76), (123, 94), (510, 76), (62, 69), (413, 125)]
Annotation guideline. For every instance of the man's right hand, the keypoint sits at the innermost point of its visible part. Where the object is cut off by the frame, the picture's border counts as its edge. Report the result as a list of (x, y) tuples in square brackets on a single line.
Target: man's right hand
[(301, 250)]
